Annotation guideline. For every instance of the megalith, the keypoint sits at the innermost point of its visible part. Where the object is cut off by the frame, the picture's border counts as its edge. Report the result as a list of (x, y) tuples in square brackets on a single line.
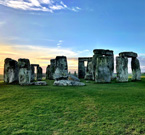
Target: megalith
[(136, 71), (135, 65), (106, 57), (81, 66), (10, 71), (39, 74), (48, 72), (128, 54), (122, 69), (24, 71), (103, 71), (32, 73), (52, 68), (61, 69), (89, 71)]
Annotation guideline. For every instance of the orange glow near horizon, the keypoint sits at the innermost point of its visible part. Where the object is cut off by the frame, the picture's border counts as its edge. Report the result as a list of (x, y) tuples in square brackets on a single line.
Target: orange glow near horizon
[(36, 55)]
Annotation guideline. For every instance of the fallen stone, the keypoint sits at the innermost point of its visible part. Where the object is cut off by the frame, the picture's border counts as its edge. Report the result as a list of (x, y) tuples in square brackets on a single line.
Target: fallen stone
[(68, 83), (39, 83), (73, 78)]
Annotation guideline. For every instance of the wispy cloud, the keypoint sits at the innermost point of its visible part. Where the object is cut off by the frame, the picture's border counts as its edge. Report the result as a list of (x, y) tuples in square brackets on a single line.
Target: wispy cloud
[(59, 43), (37, 55), (2, 23), (75, 9), (38, 5)]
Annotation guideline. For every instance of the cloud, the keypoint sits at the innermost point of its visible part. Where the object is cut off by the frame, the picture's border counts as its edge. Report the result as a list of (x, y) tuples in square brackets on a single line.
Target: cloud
[(37, 55), (59, 43), (38, 5), (2, 23), (75, 9), (41, 55)]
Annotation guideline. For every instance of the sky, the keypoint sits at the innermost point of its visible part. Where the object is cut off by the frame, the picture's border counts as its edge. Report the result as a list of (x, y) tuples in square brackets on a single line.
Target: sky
[(43, 29)]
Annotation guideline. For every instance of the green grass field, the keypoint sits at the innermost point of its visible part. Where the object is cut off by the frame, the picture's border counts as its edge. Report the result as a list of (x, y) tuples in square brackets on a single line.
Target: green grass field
[(96, 109)]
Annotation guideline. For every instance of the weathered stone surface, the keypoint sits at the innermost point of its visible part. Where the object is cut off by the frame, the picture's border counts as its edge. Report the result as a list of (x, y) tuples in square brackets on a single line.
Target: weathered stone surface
[(89, 71), (103, 72), (52, 68), (73, 78), (24, 63), (24, 71), (103, 52), (32, 73), (111, 64), (136, 71), (68, 83), (10, 71), (39, 74), (128, 54), (61, 70), (94, 63), (39, 83), (81, 69), (81, 66), (122, 69), (48, 72), (59, 75)]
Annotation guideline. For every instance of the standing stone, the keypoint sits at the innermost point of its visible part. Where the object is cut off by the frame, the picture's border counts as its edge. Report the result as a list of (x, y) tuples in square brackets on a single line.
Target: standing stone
[(136, 71), (103, 71), (61, 71), (48, 72), (102, 53), (111, 65), (39, 74), (89, 71), (10, 71), (52, 68), (81, 69), (24, 71), (32, 73), (122, 69), (94, 63)]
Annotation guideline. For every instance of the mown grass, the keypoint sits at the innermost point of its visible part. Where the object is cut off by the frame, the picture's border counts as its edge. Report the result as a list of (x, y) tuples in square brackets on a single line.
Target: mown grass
[(96, 109)]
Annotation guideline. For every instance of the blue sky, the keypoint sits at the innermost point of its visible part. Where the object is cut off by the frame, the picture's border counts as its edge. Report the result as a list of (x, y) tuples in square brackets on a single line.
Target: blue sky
[(78, 26)]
